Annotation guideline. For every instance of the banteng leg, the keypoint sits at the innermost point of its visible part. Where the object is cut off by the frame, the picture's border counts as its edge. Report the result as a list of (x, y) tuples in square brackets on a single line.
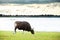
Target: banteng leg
[(23, 32), (15, 30)]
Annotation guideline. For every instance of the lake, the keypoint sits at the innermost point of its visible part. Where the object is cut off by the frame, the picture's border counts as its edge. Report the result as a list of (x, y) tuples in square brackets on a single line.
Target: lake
[(37, 23)]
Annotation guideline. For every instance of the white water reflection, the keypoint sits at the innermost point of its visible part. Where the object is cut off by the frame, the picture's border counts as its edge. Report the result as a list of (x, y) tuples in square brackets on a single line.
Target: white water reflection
[(39, 24)]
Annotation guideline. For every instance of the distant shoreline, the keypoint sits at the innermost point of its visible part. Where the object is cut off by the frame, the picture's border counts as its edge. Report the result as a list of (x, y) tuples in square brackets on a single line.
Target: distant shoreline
[(29, 15)]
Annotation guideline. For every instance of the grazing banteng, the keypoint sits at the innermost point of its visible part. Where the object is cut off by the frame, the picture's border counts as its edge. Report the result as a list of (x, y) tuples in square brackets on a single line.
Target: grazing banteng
[(23, 25)]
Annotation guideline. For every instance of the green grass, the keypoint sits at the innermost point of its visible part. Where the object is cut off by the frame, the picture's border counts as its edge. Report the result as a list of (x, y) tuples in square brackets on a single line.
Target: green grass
[(8, 35)]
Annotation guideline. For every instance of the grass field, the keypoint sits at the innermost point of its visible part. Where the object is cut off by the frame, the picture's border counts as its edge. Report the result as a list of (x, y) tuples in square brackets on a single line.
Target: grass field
[(8, 35)]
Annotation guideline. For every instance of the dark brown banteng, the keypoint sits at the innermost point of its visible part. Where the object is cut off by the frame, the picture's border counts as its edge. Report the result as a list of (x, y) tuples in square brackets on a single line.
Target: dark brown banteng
[(23, 25)]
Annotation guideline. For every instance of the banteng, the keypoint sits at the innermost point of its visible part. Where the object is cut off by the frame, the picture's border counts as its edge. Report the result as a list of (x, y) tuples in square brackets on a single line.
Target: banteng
[(23, 25)]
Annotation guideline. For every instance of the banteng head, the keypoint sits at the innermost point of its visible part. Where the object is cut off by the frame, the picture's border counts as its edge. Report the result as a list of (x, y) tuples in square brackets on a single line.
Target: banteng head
[(32, 31)]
